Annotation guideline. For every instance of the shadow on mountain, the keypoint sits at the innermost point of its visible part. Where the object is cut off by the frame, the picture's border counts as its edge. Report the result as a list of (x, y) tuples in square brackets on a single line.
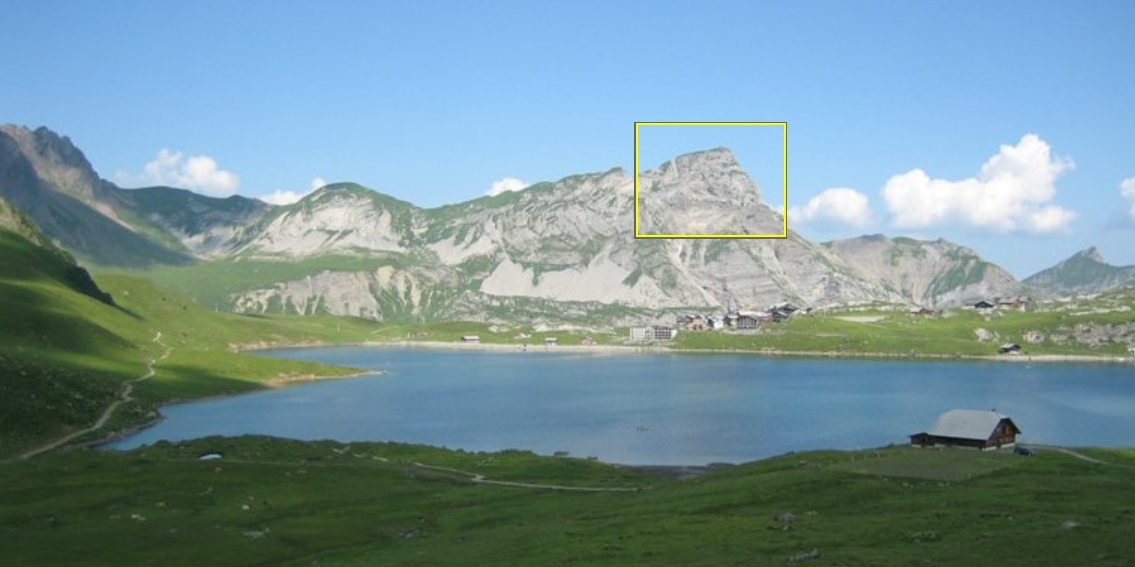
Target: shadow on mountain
[(36, 320), (182, 381)]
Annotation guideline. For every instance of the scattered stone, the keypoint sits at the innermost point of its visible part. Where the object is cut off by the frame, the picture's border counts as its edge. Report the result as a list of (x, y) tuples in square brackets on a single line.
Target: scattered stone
[(786, 518), (1033, 337), (985, 334), (257, 534), (1069, 524), (804, 556), (924, 536)]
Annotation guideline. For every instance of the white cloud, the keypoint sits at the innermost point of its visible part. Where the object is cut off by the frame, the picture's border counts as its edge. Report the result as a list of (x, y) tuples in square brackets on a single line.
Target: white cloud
[(199, 173), (505, 185), (1127, 190), (1012, 192), (834, 208), (287, 196)]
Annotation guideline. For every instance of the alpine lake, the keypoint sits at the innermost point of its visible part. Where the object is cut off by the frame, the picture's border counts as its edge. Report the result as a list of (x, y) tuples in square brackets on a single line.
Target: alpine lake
[(659, 408)]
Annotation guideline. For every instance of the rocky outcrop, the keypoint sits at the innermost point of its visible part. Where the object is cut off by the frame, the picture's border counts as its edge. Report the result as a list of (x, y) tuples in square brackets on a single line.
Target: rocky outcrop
[(375, 295), (703, 193)]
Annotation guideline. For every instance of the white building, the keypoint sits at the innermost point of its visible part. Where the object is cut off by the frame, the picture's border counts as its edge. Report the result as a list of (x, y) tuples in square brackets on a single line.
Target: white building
[(655, 333)]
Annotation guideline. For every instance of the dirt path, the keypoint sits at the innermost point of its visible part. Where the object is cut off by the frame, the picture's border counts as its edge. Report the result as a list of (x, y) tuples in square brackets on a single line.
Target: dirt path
[(1070, 453), (480, 479), (124, 395)]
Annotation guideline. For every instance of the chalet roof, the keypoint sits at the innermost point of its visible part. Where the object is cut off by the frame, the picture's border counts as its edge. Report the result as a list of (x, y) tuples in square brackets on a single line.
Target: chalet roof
[(968, 424), (753, 314)]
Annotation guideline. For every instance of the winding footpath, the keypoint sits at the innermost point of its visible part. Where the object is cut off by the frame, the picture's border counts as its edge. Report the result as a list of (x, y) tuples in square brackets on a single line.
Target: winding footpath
[(480, 479), (1070, 453), (124, 395)]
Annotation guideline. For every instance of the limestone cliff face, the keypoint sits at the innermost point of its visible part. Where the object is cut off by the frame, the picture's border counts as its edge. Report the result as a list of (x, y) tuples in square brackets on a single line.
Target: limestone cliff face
[(703, 193), (571, 241), (337, 219)]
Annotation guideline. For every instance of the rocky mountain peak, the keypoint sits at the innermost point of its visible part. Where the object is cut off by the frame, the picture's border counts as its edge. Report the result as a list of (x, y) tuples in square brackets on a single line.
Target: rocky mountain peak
[(57, 161), (703, 192), (1084, 272), (1091, 253), (714, 172)]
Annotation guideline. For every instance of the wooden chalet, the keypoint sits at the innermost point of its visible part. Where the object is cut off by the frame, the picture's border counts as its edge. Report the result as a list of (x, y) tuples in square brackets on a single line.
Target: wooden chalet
[(969, 428), (752, 319)]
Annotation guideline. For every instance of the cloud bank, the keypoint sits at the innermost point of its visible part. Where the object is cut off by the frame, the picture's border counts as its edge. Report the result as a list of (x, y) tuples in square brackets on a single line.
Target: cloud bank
[(505, 185), (834, 209), (198, 173), (287, 196), (1127, 191), (1012, 192)]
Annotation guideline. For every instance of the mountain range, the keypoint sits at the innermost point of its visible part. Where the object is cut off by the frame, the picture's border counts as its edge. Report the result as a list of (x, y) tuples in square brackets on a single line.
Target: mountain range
[(560, 251)]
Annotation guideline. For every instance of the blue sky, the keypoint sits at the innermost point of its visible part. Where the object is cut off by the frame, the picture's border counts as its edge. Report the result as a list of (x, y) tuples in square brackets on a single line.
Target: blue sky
[(1005, 126)]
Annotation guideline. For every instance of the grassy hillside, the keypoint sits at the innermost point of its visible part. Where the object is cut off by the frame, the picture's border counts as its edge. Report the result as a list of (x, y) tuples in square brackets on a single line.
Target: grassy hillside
[(1099, 326), (276, 502), (1092, 327), (66, 348), (212, 283)]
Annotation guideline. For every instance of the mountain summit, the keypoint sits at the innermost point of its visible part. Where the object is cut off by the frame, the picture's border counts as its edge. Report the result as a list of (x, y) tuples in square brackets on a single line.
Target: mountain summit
[(49, 179), (1084, 272), (703, 193)]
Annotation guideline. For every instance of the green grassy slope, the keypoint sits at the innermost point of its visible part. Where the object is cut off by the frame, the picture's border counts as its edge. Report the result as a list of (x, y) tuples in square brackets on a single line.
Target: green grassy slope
[(276, 502), (59, 366), (65, 351), (212, 283), (898, 333)]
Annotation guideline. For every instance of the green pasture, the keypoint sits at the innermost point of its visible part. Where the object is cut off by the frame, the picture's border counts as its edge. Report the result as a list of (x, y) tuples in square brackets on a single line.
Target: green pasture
[(276, 502), (897, 333)]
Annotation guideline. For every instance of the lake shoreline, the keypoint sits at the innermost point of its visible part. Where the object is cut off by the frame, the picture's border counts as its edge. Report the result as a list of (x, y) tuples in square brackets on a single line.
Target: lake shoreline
[(662, 349), (673, 410)]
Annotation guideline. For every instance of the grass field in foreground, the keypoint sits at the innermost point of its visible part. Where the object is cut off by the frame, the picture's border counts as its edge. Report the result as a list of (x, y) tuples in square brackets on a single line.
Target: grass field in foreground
[(277, 502)]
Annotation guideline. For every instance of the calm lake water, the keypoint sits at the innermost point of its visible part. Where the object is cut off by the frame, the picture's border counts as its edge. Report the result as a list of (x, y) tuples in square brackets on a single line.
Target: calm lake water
[(660, 408)]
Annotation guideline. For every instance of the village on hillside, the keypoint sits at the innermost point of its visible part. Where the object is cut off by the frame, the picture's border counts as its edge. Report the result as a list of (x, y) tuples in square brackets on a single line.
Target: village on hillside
[(750, 319)]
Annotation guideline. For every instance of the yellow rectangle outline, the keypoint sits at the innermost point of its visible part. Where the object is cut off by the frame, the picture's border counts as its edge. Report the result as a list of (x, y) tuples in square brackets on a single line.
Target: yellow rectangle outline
[(784, 214)]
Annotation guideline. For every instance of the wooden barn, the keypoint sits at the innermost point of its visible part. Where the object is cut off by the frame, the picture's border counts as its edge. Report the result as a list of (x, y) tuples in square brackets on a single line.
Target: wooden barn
[(969, 428)]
